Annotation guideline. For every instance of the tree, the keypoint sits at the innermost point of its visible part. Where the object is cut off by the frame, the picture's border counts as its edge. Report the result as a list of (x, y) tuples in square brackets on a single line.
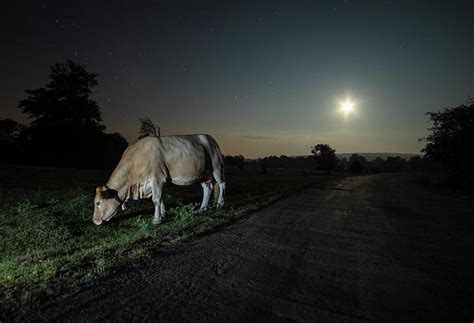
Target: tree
[(378, 165), (325, 156), (451, 138), (415, 163), (65, 100), (112, 148), (357, 164), (148, 128), (9, 130), (10, 137), (66, 127), (396, 164), (240, 161)]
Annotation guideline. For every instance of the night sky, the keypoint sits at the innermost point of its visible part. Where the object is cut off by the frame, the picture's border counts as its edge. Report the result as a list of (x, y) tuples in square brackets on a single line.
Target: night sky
[(263, 78)]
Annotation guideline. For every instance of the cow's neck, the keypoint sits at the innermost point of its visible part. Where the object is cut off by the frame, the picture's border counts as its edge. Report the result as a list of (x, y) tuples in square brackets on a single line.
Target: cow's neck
[(119, 181)]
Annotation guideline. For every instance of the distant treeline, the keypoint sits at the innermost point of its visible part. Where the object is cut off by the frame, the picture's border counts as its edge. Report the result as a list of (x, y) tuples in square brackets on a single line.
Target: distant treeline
[(448, 152), (356, 164)]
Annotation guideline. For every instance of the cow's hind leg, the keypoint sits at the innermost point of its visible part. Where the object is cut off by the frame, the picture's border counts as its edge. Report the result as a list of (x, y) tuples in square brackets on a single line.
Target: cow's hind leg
[(156, 189), (206, 190), (162, 208), (218, 175)]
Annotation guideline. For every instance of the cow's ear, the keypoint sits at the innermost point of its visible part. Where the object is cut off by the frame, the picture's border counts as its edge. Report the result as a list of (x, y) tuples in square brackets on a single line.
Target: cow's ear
[(98, 189), (106, 194)]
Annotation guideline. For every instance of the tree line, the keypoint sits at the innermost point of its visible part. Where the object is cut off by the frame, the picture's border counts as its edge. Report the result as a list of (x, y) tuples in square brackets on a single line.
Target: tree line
[(356, 164), (448, 151), (66, 130)]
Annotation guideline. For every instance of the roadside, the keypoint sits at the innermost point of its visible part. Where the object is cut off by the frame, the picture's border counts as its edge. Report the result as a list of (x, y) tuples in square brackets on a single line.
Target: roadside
[(368, 248), (49, 244)]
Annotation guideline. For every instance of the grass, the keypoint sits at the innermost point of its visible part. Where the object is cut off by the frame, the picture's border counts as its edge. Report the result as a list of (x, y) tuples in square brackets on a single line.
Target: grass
[(49, 243)]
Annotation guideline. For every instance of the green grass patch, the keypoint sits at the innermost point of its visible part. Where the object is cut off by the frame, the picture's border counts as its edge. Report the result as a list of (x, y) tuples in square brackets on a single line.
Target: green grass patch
[(49, 243)]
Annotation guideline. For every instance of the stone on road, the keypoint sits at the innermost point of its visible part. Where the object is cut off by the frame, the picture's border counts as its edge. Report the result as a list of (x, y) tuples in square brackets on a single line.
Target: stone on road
[(368, 248)]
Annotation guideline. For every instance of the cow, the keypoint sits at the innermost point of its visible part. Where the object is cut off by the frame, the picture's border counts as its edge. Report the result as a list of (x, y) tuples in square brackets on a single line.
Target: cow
[(150, 162)]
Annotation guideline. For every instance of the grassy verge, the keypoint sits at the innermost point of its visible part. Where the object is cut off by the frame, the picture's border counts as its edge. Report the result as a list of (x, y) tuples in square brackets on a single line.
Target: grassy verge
[(49, 243)]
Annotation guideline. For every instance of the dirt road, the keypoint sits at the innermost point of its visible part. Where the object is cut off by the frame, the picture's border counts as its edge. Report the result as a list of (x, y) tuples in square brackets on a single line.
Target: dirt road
[(370, 248)]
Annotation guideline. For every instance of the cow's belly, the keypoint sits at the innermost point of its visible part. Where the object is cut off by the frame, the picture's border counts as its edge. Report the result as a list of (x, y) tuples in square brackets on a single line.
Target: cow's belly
[(189, 171), (180, 180)]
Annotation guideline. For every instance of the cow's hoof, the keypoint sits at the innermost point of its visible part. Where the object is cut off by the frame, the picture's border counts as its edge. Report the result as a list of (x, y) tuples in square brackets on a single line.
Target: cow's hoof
[(203, 209), (156, 221)]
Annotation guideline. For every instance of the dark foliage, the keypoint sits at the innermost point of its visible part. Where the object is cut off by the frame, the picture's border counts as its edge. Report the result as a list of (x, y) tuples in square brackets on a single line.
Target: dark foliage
[(284, 162), (238, 161), (357, 164), (66, 127), (378, 165), (451, 138), (396, 164), (10, 140), (325, 157)]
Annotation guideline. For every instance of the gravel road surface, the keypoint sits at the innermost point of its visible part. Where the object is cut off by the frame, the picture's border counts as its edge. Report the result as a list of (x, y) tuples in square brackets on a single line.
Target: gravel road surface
[(368, 248)]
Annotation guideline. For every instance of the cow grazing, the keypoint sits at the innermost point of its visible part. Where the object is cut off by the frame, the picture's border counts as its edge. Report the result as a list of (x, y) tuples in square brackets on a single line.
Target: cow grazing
[(147, 164)]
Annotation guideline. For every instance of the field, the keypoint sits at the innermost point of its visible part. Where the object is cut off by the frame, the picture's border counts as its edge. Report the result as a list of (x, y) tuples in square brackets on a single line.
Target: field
[(49, 243)]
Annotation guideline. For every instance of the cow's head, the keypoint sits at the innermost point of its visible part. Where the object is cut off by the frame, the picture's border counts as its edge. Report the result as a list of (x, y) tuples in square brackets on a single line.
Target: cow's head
[(106, 204)]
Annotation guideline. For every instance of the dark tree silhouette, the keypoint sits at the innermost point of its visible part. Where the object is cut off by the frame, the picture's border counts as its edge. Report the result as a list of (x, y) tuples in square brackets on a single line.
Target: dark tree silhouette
[(377, 165), (396, 164), (238, 161), (451, 137), (9, 131), (325, 156), (415, 163), (66, 127), (66, 99), (357, 164), (261, 163), (10, 140), (148, 128)]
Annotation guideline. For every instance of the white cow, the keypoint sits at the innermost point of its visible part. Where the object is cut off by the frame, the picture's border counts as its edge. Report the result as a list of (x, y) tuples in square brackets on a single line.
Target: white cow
[(147, 164)]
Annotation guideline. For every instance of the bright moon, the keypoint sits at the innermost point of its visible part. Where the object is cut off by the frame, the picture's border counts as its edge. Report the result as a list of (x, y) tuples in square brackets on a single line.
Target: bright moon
[(347, 106)]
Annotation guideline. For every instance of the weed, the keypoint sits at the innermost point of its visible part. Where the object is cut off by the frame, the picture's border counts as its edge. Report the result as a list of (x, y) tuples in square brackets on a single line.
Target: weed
[(184, 212), (25, 207), (100, 265)]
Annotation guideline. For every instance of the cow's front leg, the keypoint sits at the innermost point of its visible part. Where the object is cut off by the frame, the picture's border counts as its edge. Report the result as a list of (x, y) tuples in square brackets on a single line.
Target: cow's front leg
[(206, 190), (156, 189)]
